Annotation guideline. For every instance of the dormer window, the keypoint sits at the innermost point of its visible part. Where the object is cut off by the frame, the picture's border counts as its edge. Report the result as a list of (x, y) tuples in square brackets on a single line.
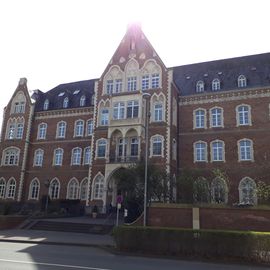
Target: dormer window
[(242, 81), (46, 105), (82, 101), (215, 85), (199, 87), (61, 94), (65, 102)]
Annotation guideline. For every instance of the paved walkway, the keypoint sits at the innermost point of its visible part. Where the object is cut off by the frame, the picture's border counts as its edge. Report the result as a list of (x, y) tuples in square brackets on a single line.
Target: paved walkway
[(60, 238)]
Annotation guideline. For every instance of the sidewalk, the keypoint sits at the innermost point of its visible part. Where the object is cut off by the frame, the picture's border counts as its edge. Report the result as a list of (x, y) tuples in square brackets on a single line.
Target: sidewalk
[(56, 238)]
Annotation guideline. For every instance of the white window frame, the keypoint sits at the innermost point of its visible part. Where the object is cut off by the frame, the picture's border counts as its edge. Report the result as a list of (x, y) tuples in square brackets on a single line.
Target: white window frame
[(89, 127), (195, 152), (104, 117), (82, 100), (98, 187), (65, 102), (132, 83), (42, 131), (213, 159), (76, 156), (87, 159), (15, 156), (38, 157), (241, 115), (11, 188), (34, 189), (145, 82), (61, 130), (200, 120), (46, 105), (155, 80), (158, 112), (54, 189), (98, 145), (216, 84), (83, 183), (79, 128), (242, 81), (215, 116), (251, 153), (2, 187), (153, 140), (118, 85), (132, 109), (73, 189), (119, 111), (250, 186), (58, 161), (200, 87)]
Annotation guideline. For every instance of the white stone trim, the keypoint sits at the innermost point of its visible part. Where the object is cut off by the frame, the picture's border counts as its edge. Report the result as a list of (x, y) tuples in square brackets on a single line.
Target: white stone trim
[(211, 117), (211, 151), (237, 115), (205, 118), (251, 150), (195, 160), (151, 145)]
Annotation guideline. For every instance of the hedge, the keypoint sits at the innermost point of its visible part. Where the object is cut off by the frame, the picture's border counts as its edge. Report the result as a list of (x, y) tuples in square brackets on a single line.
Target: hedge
[(243, 245)]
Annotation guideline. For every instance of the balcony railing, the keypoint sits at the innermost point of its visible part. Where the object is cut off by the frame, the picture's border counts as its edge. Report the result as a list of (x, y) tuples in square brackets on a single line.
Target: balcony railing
[(125, 159)]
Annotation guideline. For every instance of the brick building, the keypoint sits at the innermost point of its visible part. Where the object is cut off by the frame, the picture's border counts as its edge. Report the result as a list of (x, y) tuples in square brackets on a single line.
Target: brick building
[(77, 135)]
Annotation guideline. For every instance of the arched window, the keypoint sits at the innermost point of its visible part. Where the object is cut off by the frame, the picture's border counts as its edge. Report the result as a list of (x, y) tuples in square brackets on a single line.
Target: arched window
[(79, 128), (199, 118), (46, 105), (200, 86), (2, 188), (42, 130), (65, 102), (11, 156), (245, 150), (61, 129), (216, 117), (54, 189), (243, 115), (217, 151), (58, 157), (215, 85), (11, 188), (76, 156), (247, 191), (242, 81), (98, 187), (219, 191), (101, 148), (82, 101), (200, 151), (157, 145), (83, 189), (89, 127), (73, 189), (87, 156), (38, 157), (34, 190)]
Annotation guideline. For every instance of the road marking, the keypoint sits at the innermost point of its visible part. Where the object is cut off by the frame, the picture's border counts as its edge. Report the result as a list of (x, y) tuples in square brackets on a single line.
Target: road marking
[(57, 265)]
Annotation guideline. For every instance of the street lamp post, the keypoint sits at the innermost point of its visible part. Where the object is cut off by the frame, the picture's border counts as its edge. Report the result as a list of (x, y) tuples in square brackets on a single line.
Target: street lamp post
[(146, 97), (47, 185)]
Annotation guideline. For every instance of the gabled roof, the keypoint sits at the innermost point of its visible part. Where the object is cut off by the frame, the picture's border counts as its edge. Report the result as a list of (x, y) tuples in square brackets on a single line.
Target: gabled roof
[(256, 69), (74, 91)]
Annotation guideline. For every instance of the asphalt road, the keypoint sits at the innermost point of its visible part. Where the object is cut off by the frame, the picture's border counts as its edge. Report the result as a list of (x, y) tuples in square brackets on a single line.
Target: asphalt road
[(20, 256)]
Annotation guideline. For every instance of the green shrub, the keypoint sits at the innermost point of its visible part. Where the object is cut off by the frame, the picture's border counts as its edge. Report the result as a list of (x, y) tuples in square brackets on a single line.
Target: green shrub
[(248, 246)]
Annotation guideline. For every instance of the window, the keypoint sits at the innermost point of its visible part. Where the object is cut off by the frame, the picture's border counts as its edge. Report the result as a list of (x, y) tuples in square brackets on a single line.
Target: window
[(242, 81), (219, 191), (118, 86), (109, 87), (132, 83), (101, 148), (145, 82), (200, 151), (216, 115), (104, 121), (38, 157), (73, 189), (200, 86), (199, 118), (132, 109), (2, 188), (119, 110), (217, 151), (155, 80), (82, 101), (46, 105), (215, 85), (11, 188), (11, 156), (243, 115), (76, 92), (42, 129), (58, 156), (122, 147), (99, 187), (87, 156), (79, 128), (247, 191), (158, 112), (19, 134), (157, 142), (34, 190), (93, 100), (245, 150), (11, 131), (61, 129), (54, 189), (19, 107), (89, 128), (134, 147), (83, 190), (65, 102), (76, 156)]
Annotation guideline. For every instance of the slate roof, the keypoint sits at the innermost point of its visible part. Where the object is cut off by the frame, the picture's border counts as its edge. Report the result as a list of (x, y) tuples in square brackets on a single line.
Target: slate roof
[(256, 68), (56, 102)]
